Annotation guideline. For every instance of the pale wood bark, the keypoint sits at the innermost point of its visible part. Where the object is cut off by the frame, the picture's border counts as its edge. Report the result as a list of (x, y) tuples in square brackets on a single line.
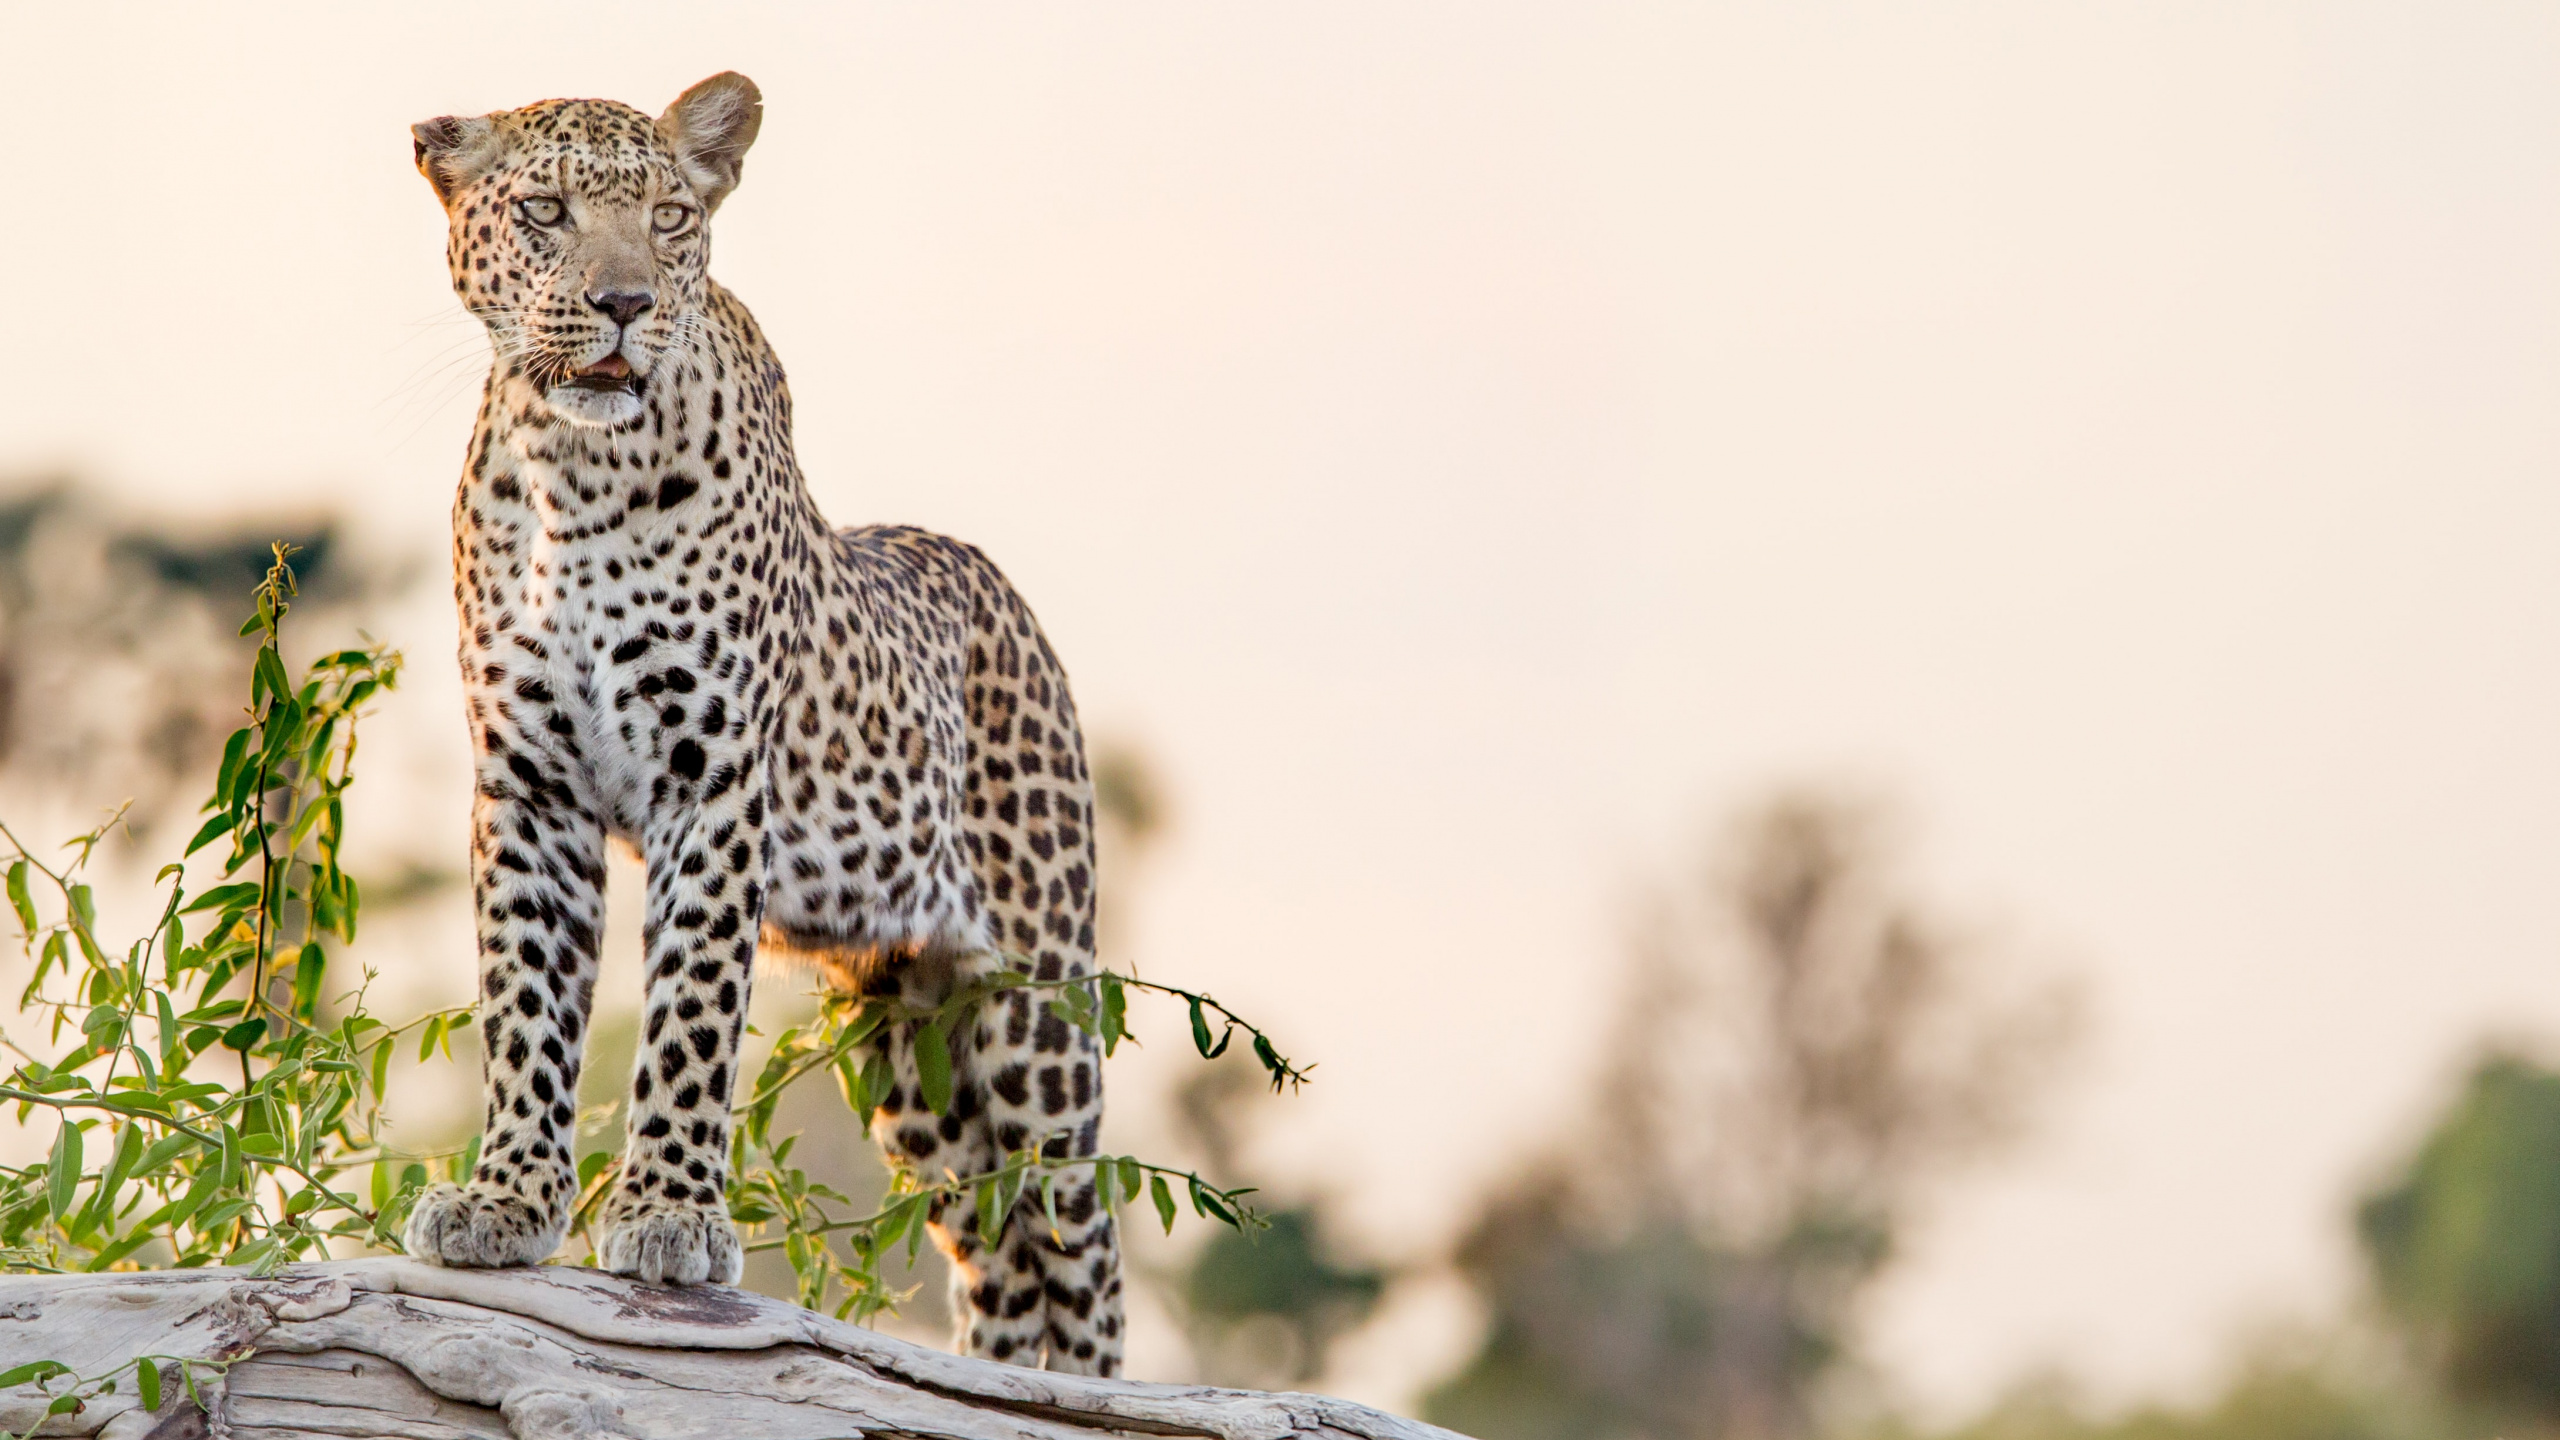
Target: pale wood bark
[(390, 1347)]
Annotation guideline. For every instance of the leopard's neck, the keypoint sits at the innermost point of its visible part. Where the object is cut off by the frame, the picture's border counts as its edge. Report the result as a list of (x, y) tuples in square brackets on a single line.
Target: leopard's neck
[(711, 442)]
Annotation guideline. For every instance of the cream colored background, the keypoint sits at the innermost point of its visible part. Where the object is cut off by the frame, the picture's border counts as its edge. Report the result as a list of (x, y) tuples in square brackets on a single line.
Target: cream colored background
[(1471, 443)]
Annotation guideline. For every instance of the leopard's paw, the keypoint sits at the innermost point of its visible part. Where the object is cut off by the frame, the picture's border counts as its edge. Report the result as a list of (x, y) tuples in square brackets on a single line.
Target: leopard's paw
[(475, 1229), (671, 1245)]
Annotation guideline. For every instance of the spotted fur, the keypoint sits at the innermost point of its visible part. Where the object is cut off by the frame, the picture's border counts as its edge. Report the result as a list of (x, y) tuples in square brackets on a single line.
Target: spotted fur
[(855, 744)]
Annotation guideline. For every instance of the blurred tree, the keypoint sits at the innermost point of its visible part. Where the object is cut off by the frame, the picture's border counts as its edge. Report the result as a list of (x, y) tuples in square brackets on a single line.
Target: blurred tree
[(1130, 822), (1801, 1053), (117, 645), (2298, 1386), (2465, 1244), (1261, 1311)]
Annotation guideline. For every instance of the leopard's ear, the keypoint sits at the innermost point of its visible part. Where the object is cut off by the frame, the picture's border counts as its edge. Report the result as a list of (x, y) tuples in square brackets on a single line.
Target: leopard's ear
[(452, 151), (710, 127)]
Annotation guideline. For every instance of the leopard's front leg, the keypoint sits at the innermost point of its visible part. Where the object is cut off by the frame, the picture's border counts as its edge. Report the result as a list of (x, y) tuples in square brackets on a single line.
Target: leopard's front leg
[(668, 1219), (537, 882)]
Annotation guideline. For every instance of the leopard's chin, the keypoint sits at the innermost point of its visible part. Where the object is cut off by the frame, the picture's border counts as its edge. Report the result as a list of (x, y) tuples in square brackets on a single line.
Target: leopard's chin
[(607, 392), (594, 405)]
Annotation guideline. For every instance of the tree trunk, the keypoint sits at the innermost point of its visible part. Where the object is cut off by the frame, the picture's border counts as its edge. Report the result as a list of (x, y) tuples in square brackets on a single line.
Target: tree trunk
[(390, 1347)]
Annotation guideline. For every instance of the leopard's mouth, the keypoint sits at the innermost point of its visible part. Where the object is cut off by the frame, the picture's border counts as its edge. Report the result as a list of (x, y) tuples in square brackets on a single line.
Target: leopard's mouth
[(611, 375)]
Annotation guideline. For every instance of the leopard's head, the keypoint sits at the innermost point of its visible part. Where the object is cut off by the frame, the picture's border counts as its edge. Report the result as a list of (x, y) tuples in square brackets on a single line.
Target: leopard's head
[(579, 233)]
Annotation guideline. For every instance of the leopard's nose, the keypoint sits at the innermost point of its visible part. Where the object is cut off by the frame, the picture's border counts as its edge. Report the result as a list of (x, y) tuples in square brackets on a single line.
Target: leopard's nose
[(624, 306)]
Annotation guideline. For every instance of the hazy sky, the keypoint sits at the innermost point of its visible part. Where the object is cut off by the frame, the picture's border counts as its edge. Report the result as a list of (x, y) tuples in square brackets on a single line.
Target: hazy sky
[(1473, 445)]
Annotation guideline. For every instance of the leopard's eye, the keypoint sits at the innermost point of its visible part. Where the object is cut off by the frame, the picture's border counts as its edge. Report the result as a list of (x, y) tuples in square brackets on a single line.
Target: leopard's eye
[(670, 218), (541, 209)]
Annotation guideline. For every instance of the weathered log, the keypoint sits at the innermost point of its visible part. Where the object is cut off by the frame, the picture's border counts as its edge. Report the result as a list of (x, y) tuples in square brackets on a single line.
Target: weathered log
[(389, 1347)]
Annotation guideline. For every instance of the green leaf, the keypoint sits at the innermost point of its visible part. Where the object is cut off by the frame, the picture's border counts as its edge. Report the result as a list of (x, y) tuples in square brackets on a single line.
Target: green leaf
[(212, 1221), (1205, 1203), (214, 1013), (1164, 1201), (118, 1250), (193, 1092), (38, 1370), (255, 1255), (1270, 1058), (933, 1067), (161, 1153), (86, 931), (171, 1037), (915, 1230), (227, 781), (892, 1222), (148, 1376), (849, 1085), (242, 894), (990, 1213), (311, 816), (878, 1078), (283, 737), (1115, 1012), (1131, 1174), (307, 974), (19, 899), (865, 1020), (222, 958), (102, 1205), (269, 679), (212, 830), (62, 1177), (349, 902), (57, 952), (1200, 1033)]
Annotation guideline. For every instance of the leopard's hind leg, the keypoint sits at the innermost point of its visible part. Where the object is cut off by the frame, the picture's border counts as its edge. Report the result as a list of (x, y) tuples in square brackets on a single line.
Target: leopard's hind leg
[(995, 1302), (1036, 1292), (1043, 1088)]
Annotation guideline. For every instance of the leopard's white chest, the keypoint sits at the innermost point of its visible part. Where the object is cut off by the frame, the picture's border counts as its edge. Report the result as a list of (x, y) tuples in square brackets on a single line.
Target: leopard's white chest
[(598, 590)]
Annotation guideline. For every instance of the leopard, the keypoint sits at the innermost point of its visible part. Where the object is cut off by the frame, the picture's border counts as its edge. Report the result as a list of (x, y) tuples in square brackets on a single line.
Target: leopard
[(854, 748)]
